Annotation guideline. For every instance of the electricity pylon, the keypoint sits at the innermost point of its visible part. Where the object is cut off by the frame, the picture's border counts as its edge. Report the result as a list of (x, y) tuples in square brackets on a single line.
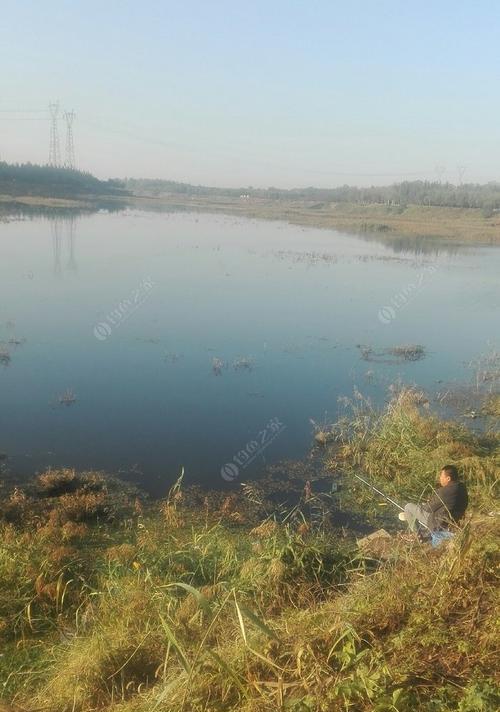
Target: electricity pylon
[(54, 150), (461, 170), (69, 117)]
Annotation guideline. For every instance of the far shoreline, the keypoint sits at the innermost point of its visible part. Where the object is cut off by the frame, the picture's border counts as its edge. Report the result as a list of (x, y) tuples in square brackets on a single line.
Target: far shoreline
[(464, 226)]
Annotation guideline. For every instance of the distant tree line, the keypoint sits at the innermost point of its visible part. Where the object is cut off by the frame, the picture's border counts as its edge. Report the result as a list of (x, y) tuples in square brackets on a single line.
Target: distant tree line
[(418, 192), (48, 181)]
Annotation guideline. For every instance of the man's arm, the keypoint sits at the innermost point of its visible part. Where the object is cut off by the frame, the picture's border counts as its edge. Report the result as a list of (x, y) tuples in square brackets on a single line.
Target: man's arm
[(437, 501)]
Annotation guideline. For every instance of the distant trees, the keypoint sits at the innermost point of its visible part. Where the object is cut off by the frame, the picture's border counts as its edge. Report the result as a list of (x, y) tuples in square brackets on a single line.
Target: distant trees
[(48, 181), (471, 195)]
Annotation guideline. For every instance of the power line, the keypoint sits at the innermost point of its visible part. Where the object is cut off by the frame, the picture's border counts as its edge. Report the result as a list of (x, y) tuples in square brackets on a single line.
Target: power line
[(24, 118), (23, 111)]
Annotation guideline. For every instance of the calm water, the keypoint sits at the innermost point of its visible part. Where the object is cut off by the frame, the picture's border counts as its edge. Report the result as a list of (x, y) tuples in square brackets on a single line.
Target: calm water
[(210, 342)]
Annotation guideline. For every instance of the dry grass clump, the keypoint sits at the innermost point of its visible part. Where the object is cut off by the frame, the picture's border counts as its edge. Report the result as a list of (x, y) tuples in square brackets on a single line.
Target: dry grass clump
[(172, 516), (266, 529), (60, 496), (55, 483), (72, 530), (85, 507), (120, 653), (17, 507), (122, 553), (492, 406)]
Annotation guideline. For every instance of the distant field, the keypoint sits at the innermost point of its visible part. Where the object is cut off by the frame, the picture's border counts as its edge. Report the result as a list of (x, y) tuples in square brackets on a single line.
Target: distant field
[(458, 224), (39, 201)]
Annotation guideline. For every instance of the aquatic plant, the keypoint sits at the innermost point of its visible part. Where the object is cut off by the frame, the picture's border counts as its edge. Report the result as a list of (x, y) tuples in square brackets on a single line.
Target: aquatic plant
[(244, 363), (67, 398), (409, 352), (405, 352), (218, 365), (169, 357), (5, 356)]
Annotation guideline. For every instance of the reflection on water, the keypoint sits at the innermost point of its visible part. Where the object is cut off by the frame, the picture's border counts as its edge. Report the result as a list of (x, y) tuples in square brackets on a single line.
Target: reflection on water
[(70, 242), (63, 240), (415, 244), (243, 323)]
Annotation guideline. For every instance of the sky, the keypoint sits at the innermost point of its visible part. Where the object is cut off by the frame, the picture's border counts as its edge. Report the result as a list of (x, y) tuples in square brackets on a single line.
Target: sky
[(276, 93)]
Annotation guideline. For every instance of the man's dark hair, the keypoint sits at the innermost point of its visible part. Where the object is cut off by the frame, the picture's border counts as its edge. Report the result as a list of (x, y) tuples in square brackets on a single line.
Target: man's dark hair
[(451, 471)]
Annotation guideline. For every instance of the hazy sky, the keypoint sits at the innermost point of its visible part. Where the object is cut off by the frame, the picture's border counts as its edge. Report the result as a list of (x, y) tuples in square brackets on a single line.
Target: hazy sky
[(257, 93)]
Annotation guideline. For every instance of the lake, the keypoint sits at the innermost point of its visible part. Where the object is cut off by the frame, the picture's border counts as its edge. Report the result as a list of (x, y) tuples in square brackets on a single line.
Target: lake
[(139, 342)]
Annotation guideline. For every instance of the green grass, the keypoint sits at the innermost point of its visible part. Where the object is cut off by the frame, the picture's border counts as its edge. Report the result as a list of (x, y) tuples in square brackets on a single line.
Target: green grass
[(196, 603), (403, 448)]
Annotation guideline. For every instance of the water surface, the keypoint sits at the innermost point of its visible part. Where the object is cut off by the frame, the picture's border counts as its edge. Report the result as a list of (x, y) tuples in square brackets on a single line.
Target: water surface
[(143, 342)]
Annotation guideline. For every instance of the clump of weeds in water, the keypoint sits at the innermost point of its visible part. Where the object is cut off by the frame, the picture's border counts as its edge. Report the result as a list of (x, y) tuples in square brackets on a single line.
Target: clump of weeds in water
[(5, 356), (409, 352), (67, 398), (218, 365), (169, 357), (194, 604), (244, 363), (399, 354)]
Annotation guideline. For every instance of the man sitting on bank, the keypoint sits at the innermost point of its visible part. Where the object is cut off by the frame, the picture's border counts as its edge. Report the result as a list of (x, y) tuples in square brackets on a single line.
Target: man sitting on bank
[(447, 506)]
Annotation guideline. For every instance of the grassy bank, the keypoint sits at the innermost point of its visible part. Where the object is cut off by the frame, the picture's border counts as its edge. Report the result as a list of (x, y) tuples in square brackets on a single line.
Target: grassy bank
[(205, 602), (460, 225)]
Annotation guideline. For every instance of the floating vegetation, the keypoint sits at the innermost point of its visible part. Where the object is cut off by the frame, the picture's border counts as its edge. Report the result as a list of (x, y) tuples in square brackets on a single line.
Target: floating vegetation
[(407, 352), (67, 398), (241, 363), (411, 352), (148, 340), (218, 365), (4, 356), (311, 258), (171, 357), (244, 363)]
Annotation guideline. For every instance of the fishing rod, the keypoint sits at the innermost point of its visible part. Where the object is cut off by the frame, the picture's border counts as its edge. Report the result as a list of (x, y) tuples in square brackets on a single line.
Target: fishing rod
[(380, 493), (388, 498)]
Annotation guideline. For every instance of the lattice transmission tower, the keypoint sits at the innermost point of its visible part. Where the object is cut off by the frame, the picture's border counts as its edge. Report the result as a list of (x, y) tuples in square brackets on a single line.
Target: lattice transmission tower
[(54, 149), (69, 117)]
